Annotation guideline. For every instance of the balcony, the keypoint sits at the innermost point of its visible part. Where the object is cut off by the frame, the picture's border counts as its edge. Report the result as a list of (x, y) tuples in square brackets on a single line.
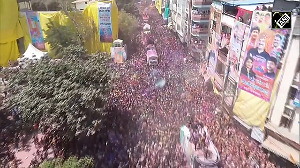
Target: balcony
[(222, 57), (199, 17), (197, 47), (201, 2), (219, 78), (199, 31)]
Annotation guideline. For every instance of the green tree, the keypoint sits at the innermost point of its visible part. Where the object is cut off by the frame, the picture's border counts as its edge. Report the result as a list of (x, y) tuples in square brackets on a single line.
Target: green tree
[(71, 162), (67, 98), (70, 39), (128, 25)]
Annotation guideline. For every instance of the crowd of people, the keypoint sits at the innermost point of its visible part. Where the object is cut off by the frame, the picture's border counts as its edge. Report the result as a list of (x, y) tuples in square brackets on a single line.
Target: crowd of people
[(161, 111)]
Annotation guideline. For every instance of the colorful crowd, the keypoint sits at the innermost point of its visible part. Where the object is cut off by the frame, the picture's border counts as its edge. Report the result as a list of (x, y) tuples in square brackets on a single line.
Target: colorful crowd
[(161, 111)]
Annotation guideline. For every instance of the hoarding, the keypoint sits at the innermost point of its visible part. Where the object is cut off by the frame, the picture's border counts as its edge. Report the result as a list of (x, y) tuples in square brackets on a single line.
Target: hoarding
[(263, 53), (236, 43), (105, 26), (35, 30)]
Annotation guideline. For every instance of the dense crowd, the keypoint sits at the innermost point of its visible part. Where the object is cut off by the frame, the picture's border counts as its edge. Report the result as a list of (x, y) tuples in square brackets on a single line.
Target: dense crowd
[(161, 111)]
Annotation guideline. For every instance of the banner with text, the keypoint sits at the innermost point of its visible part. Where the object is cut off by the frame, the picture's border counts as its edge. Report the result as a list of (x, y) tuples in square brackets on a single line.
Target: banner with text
[(35, 30), (236, 43), (263, 53), (105, 26)]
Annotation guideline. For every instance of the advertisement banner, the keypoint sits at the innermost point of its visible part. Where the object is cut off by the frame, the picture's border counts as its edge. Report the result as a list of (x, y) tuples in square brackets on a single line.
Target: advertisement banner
[(158, 5), (105, 26), (236, 43), (119, 55), (35, 30), (264, 51)]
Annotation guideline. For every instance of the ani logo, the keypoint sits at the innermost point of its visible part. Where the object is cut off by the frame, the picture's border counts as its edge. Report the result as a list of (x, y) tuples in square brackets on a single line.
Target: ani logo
[(281, 20)]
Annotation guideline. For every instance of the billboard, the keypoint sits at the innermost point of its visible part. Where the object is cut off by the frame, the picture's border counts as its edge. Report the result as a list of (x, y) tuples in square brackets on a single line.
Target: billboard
[(105, 26), (35, 30), (118, 54), (236, 43), (263, 53)]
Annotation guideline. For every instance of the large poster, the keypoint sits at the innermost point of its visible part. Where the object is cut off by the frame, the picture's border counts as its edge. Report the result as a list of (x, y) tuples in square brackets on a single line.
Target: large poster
[(236, 43), (105, 26), (263, 53), (35, 30), (119, 55)]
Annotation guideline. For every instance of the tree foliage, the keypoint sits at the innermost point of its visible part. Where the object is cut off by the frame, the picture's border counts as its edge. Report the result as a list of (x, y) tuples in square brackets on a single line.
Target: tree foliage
[(67, 98), (71, 162), (128, 6), (128, 25), (70, 39)]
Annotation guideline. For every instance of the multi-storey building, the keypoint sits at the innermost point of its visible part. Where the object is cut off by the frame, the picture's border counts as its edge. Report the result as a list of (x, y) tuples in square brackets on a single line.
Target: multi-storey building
[(190, 19), (178, 18), (199, 12), (282, 126), (273, 123)]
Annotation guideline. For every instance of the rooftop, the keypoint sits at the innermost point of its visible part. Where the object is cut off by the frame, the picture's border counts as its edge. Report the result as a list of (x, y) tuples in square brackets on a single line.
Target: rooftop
[(283, 5), (245, 2)]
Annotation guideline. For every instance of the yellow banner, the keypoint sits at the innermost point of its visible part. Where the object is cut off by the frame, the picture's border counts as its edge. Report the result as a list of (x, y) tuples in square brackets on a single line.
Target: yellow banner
[(158, 5), (253, 110)]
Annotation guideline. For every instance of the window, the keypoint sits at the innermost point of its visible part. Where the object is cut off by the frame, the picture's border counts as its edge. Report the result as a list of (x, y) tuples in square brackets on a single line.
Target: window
[(285, 122), (226, 29), (292, 93), (220, 68), (289, 113), (210, 39), (214, 25)]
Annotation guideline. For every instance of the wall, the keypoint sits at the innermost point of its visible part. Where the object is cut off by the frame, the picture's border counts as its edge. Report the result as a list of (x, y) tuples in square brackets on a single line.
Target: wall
[(81, 5), (287, 79), (295, 125)]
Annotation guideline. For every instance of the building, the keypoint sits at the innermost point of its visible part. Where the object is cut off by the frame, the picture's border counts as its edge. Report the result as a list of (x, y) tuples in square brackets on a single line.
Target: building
[(190, 20), (278, 128), (24, 5), (282, 126), (200, 12), (223, 15), (179, 17), (81, 4)]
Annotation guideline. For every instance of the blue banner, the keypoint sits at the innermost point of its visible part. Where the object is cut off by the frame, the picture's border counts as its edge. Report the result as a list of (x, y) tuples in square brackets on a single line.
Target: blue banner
[(105, 26)]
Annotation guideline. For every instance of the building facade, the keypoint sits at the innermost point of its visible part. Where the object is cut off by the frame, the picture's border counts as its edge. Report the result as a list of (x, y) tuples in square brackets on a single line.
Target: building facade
[(282, 126), (199, 21), (190, 20), (273, 122)]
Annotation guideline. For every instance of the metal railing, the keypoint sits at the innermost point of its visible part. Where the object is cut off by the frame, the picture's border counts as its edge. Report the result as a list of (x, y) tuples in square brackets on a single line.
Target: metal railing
[(198, 17)]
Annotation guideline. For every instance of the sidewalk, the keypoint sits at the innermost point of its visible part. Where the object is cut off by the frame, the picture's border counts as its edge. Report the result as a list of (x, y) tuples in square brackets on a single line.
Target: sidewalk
[(26, 155)]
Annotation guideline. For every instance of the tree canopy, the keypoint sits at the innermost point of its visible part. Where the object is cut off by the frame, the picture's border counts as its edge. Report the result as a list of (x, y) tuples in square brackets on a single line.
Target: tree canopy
[(67, 98), (70, 39), (71, 162), (128, 25)]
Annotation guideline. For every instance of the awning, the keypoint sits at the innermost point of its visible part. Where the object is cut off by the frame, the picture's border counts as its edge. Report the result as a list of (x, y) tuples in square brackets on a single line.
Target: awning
[(281, 149)]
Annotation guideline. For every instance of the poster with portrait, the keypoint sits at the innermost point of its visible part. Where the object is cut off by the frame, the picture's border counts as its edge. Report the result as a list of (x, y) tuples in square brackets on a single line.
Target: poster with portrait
[(263, 53), (236, 43), (119, 55), (105, 26), (35, 30)]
